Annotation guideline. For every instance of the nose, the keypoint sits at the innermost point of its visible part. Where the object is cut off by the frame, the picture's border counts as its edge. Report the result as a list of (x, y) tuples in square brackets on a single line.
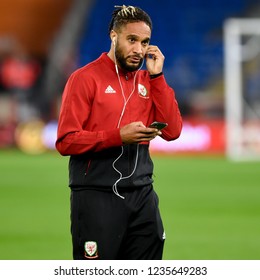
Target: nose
[(138, 49)]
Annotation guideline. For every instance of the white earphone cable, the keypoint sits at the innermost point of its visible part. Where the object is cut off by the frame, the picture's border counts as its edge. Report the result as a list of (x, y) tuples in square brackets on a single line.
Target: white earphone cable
[(121, 177)]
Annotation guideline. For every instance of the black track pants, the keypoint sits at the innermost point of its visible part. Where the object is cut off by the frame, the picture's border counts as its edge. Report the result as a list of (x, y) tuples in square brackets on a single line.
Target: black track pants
[(105, 226)]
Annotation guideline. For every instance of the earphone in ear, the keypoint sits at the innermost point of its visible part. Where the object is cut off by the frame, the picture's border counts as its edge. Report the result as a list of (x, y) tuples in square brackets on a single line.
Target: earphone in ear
[(114, 41), (113, 36)]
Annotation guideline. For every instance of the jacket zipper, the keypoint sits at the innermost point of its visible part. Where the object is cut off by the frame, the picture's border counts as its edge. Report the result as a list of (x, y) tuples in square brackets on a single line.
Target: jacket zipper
[(87, 169)]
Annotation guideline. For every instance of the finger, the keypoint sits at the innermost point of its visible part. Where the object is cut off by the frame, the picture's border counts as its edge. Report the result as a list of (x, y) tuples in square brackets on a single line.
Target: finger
[(139, 124), (149, 136), (154, 51), (149, 130), (146, 139), (152, 47)]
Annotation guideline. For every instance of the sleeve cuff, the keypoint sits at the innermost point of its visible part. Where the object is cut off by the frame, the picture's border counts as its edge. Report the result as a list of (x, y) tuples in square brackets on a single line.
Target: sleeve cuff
[(155, 75)]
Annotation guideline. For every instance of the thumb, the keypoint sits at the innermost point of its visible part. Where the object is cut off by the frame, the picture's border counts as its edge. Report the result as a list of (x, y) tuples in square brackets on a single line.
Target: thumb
[(140, 124)]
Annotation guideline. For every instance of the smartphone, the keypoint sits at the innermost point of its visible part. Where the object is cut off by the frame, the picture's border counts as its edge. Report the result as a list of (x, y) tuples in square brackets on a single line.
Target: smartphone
[(158, 125)]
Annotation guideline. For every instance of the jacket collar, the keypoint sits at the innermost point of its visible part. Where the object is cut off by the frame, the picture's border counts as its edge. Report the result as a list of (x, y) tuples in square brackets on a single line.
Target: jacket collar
[(111, 65)]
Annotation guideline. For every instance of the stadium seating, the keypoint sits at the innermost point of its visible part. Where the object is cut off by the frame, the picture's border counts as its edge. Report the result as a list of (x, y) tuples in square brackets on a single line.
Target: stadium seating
[(189, 32)]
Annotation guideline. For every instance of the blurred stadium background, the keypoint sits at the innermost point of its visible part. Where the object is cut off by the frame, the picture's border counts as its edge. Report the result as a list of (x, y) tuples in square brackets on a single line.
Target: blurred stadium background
[(209, 193)]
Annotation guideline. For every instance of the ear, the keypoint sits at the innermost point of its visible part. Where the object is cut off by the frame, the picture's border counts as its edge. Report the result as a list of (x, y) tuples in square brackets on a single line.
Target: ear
[(113, 36)]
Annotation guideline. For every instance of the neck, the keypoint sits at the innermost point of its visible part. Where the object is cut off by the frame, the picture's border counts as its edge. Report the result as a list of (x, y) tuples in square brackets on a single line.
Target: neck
[(111, 54)]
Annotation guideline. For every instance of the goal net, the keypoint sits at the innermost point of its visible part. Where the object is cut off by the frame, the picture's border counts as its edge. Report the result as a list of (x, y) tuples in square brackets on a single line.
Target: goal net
[(242, 88)]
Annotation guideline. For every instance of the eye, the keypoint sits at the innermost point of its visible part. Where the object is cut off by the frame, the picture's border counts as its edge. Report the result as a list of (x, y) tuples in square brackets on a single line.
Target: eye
[(145, 43), (131, 40)]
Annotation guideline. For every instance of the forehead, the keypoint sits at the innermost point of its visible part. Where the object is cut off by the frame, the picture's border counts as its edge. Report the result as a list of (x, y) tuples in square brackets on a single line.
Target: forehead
[(140, 29)]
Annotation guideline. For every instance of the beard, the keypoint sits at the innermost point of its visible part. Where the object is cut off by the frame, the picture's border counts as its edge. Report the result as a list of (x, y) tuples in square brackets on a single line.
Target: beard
[(122, 61)]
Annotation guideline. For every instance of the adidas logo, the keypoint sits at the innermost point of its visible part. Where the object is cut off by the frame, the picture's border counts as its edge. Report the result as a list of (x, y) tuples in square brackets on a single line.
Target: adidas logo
[(109, 89)]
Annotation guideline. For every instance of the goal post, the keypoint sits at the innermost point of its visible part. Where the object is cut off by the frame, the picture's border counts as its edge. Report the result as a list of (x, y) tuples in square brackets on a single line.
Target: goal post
[(242, 117)]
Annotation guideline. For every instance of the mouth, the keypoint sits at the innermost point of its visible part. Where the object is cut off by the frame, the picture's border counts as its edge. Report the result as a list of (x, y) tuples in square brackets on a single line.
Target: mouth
[(135, 59)]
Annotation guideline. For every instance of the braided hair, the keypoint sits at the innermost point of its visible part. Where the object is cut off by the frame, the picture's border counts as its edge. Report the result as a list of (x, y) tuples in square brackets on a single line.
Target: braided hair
[(128, 14)]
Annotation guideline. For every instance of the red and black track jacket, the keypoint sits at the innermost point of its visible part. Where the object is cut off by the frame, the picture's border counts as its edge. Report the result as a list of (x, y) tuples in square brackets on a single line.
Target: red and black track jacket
[(92, 103)]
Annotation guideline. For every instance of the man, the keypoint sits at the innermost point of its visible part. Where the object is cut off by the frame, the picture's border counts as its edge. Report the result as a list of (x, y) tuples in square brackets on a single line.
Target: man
[(106, 111)]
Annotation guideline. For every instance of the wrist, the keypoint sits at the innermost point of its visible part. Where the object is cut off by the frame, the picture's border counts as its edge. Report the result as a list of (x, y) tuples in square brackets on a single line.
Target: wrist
[(153, 76)]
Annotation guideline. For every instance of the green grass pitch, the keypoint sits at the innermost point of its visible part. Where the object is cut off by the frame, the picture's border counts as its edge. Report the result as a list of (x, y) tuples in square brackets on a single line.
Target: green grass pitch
[(210, 207)]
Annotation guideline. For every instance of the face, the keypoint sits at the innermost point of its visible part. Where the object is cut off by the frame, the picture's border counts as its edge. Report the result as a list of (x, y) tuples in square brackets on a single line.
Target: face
[(131, 45)]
